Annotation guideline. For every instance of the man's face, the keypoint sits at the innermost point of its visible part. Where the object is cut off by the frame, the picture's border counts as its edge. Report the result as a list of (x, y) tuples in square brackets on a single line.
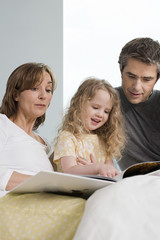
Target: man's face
[(138, 80)]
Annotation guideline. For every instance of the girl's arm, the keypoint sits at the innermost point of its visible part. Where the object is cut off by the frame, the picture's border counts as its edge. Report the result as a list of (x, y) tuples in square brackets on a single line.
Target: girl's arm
[(69, 165), (15, 179)]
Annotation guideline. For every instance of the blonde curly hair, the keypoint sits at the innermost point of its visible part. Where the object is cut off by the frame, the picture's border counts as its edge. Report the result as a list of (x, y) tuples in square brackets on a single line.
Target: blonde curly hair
[(112, 132)]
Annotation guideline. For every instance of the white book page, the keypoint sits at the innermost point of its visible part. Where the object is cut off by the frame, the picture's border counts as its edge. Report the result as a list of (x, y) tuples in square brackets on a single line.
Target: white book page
[(61, 182)]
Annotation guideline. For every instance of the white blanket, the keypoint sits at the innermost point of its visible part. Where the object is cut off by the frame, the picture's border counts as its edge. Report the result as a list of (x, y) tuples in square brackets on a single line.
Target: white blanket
[(127, 210)]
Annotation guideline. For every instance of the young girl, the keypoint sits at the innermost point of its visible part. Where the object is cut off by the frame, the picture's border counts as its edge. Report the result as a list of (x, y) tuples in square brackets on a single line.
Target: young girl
[(92, 131)]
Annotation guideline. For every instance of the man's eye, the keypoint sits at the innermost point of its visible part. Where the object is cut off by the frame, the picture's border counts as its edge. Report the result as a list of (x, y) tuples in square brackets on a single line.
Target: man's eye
[(131, 76), (147, 79)]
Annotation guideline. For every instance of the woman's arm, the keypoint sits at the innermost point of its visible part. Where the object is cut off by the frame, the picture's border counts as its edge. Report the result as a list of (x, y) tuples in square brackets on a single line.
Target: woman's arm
[(15, 179)]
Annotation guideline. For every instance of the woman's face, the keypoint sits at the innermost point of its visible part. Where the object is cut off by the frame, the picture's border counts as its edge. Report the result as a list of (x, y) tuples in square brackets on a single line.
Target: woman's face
[(33, 103)]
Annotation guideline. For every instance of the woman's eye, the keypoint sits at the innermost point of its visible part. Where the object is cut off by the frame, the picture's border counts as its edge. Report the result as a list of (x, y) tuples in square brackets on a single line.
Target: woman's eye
[(95, 107), (48, 90), (34, 89)]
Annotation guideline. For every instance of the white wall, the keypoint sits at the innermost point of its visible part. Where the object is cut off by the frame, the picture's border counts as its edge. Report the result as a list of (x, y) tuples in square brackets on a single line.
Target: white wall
[(32, 31), (94, 33)]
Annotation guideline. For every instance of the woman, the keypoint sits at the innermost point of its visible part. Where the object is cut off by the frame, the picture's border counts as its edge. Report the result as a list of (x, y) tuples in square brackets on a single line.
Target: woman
[(23, 153)]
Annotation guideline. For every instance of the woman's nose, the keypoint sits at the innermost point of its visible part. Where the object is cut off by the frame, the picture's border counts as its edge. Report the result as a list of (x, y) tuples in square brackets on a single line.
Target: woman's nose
[(42, 93)]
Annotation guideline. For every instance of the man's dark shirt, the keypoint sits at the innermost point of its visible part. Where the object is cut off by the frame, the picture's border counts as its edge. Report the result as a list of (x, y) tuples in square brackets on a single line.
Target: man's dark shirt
[(142, 124)]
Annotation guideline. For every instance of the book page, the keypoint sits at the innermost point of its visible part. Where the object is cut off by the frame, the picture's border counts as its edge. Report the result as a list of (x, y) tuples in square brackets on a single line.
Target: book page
[(141, 168), (155, 173), (61, 182)]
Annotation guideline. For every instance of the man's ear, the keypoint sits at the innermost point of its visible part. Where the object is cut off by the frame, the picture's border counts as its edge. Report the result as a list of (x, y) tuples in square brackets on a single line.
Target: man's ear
[(120, 68)]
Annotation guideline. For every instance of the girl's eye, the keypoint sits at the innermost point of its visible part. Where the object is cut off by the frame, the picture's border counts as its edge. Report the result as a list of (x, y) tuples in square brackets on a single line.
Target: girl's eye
[(95, 107)]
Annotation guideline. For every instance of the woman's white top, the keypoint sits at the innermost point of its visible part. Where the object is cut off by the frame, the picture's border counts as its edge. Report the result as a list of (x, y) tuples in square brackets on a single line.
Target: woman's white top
[(19, 152)]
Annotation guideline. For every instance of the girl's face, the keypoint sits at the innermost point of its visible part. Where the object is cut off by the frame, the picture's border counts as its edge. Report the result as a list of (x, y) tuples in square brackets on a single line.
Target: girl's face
[(34, 102), (96, 111)]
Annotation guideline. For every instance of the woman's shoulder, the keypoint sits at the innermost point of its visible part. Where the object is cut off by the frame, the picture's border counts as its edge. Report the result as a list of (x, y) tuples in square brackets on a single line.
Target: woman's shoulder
[(3, 119), (4, 128), (9, 127), (4, 123)]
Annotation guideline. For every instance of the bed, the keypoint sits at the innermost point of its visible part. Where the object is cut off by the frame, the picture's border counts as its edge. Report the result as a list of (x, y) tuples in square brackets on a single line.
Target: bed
[(39, 216)]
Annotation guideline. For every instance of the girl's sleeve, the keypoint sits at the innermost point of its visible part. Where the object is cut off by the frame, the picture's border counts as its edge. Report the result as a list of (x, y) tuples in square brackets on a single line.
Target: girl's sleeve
[(66, 146)]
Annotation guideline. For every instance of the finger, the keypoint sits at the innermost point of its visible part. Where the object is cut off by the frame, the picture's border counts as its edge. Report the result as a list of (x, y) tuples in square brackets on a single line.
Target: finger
[(82, 161), (78, 163), (117, 172), (80, 158), (92, 158)]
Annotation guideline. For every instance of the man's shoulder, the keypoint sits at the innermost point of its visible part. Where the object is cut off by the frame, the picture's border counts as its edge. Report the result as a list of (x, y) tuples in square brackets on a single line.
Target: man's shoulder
[(118, 88), (155, 91), (121, 93), (155, 95)]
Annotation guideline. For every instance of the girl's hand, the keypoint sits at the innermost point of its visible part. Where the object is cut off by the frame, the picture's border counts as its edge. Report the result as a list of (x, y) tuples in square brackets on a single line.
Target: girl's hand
[(107, 170), (81, 161)]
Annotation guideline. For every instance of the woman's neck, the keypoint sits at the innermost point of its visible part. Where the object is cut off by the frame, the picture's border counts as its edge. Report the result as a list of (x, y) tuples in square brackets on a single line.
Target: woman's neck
[(24, 123), (27, 125)]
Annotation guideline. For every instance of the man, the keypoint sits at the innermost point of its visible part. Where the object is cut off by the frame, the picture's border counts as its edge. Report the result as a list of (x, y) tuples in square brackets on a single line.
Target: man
[(130, 209), (139, 63)]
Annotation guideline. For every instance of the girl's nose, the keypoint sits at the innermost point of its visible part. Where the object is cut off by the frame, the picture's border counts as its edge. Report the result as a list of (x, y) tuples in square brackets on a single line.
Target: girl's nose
[(100, 113)]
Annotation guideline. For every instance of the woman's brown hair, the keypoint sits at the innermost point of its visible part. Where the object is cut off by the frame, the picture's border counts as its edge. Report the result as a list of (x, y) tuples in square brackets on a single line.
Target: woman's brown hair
[(23, 78)]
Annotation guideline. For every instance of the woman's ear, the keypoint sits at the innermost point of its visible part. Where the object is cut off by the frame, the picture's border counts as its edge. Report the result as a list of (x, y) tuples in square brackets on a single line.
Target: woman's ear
[(16, 96)]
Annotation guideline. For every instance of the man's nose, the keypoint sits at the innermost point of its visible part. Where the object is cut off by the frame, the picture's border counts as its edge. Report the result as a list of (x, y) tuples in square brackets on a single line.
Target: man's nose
[(137, 84)]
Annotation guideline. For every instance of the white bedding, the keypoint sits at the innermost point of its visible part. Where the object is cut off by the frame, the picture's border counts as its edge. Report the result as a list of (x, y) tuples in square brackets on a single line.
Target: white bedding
[(127, 210)]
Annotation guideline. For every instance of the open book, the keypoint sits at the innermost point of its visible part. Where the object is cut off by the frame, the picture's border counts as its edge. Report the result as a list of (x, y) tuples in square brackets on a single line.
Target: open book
[(57, 182), (151, 168), (82, 186)]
